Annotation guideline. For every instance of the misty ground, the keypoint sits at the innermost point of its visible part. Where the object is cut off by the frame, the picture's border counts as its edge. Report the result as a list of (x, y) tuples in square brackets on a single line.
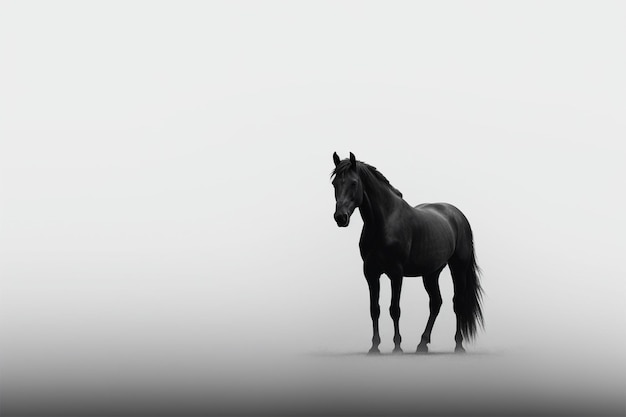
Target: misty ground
[(327, 382), (111, 350)]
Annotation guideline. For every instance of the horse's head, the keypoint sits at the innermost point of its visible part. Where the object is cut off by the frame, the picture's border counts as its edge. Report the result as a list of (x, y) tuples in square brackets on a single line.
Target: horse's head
[(348, 189)]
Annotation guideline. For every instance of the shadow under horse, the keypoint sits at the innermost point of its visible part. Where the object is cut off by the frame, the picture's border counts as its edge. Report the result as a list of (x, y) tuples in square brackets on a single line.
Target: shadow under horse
[(403, 241)]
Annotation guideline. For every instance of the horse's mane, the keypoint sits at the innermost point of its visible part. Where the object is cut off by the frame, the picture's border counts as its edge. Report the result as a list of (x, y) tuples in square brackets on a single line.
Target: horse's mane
[(366, 172)]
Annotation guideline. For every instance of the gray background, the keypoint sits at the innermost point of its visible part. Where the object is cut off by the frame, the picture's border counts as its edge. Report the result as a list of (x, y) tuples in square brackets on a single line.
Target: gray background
[(167, 241)]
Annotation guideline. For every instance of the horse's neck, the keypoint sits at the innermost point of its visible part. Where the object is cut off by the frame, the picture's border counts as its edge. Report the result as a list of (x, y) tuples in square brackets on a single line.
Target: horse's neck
[(377, 206)]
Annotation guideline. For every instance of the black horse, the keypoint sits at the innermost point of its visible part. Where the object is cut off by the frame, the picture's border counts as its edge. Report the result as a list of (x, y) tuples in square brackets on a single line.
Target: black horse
[(404, 241)]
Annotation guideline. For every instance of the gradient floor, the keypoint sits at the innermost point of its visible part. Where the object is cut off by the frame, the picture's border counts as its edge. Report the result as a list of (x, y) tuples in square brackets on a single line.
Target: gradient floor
[(322, 383)]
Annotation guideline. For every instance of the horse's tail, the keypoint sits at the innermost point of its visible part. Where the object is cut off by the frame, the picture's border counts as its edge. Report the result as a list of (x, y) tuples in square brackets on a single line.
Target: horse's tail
[(469, 309)]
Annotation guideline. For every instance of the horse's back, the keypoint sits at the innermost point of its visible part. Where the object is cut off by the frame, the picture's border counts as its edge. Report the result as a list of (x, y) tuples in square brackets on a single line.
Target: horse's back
[(443, 208), (457, 221), (446, 210), (455, 218)]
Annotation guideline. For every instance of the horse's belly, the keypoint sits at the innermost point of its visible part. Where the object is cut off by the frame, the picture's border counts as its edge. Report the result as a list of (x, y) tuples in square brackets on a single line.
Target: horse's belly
[(423, 269), (420, 264)]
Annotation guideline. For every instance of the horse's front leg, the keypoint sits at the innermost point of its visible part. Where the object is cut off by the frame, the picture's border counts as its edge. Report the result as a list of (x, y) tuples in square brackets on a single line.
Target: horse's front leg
[(394, 311), (373, 281)]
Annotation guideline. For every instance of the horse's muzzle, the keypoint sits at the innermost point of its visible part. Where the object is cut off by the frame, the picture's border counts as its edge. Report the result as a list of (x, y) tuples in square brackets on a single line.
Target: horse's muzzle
[(342, 219)]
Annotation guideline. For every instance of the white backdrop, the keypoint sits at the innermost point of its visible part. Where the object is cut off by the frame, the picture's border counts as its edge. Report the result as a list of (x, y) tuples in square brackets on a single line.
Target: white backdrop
[(166, 207)]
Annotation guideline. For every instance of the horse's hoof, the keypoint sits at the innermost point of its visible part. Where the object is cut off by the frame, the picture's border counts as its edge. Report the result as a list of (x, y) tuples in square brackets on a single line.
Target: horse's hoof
[(422, 348), (374, 351), (459, 349), (398, 350)]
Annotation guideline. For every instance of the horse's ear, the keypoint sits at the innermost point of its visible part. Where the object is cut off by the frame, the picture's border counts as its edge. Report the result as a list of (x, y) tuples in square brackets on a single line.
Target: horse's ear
[(336, 158), (352, 161)]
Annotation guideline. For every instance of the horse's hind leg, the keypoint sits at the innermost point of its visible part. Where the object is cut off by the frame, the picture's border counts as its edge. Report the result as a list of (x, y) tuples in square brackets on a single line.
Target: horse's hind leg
[(431, 284), (457, 270)]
